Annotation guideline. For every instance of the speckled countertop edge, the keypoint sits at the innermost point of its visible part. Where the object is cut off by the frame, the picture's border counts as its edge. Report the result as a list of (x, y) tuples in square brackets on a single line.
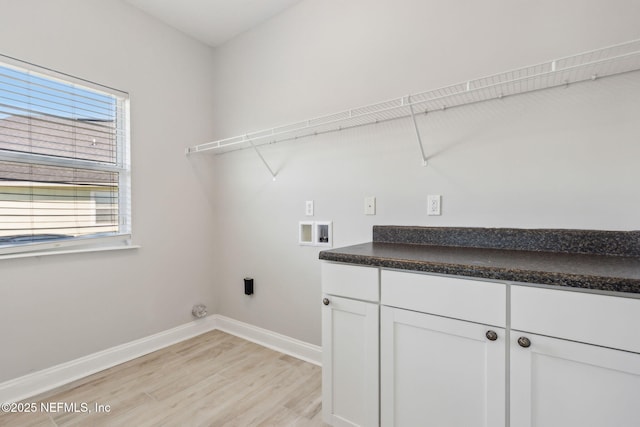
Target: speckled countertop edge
[(588, 271)]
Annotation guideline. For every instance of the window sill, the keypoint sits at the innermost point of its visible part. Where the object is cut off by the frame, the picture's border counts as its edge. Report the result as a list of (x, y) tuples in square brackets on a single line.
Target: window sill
[(68, 251)]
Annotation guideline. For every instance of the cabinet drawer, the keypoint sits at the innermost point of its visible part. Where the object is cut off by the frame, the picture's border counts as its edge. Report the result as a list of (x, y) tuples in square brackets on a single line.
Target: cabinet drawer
[(473, 300), (595, 319), (350, 281)]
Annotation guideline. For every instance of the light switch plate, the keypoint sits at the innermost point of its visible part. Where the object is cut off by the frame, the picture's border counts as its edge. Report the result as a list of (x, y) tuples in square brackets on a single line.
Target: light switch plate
[(308, 208), (370, 205), (433, 204)]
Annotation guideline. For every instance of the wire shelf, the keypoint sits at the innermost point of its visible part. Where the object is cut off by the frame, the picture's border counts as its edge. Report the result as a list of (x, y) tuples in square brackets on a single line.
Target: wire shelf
[(609, 61)]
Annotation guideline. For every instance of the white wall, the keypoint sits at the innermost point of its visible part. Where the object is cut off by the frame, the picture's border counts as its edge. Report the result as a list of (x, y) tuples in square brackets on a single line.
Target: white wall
[(56, 308), (564, 158)]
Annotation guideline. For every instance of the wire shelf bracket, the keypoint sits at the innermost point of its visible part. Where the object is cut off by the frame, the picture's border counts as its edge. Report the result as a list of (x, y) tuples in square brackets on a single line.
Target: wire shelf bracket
[(586, 66), (418, 137), (273, 174)]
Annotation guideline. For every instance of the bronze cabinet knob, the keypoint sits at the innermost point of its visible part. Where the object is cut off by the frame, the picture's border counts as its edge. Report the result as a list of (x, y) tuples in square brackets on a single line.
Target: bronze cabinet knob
[(524, 342), (491, 335)]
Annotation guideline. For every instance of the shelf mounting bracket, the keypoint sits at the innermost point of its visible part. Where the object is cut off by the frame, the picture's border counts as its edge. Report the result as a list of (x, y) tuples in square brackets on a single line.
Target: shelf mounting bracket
[(415, 126), (273, 174)]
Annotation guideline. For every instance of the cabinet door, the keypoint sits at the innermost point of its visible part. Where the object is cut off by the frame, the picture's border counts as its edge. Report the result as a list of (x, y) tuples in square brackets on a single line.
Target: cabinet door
[(437, 371), (350, 362), (560, 383)]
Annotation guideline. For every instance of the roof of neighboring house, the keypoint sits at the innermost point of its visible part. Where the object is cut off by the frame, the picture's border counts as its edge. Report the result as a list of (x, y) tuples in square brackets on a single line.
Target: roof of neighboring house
[(61, 137)]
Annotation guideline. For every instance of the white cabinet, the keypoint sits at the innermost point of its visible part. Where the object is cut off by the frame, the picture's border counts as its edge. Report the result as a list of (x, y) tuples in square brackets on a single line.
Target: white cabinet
[(561, 383), (438, 367), (411, 349), (459, 298), (437, 371), (572, 359), (602, 320), (350, 345)]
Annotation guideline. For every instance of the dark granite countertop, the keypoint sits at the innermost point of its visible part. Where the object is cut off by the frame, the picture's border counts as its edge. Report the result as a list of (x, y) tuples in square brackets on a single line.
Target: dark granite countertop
[(587, 259)]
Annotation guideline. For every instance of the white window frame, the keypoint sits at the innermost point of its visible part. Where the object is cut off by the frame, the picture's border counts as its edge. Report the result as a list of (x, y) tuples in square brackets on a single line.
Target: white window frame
[(122, 239)]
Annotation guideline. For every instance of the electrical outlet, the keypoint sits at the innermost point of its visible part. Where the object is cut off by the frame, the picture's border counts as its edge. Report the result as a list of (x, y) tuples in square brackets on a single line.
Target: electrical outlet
[(370, 205), (308, 208), (433, 204)]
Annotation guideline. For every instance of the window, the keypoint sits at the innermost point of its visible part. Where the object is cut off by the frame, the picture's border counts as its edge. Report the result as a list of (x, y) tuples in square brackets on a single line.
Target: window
[(64, 161)]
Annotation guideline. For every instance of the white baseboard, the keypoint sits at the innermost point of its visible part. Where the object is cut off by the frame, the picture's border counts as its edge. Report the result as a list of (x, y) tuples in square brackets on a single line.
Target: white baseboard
[(47, 379), (282, 343)]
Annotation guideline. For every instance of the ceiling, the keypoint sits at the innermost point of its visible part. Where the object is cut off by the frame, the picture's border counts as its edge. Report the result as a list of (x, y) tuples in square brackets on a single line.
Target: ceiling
[(212, 21)]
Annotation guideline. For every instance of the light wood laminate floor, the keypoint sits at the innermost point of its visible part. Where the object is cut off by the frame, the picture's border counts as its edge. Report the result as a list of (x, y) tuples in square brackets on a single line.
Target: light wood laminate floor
[(215, 379)]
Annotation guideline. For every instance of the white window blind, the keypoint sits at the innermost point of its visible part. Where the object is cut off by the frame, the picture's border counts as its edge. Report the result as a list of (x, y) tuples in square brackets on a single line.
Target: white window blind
[(64, 160)]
